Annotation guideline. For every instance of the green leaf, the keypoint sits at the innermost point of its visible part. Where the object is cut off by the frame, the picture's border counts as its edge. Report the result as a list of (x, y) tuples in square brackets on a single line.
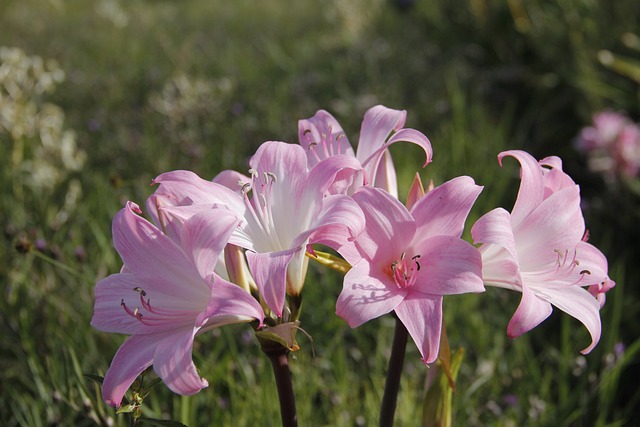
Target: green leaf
[(161, 423), (97, 378)]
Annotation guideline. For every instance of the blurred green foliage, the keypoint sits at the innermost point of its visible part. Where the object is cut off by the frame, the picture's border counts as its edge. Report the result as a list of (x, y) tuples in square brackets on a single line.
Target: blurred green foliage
[(151, 86)]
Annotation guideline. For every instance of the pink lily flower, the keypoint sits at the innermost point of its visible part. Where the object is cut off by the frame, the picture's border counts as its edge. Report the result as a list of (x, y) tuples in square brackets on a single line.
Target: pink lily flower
[(539, 249), (282, 210), (322, 137), (405, 261), (165, 296)]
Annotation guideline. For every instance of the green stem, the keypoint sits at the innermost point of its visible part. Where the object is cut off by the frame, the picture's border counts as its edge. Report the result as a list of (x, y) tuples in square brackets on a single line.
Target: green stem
[(279, 357), (394, 372)]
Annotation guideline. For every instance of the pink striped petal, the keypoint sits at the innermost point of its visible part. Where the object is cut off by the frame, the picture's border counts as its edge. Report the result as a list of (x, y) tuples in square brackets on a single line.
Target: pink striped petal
[(269, 270), (173, 363), (322, 136), (389, 226), (133, 357), (448, 265), (204, 237), (444, 210), (531, 191), (579, 303), (422, 316), (378, 124), (530, 313), (367, 294)]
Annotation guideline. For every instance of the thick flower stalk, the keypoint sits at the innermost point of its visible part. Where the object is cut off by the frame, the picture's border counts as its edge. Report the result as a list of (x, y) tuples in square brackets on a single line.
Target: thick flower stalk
[(540, 249), (165, 295), (323, 137), (405, 261), (282, 210)]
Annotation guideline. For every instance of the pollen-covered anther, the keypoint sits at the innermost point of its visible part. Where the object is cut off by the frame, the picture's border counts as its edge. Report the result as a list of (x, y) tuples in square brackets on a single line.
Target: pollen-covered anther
[(271, 175)]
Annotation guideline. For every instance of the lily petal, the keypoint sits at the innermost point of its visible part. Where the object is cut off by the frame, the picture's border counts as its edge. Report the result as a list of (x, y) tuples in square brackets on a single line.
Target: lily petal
[(173, 363), (205, 235), (578, 303), (422, 316), (133, 357), (494, 228), (366, 295), (378, 124), (449, 265), (229, 303), (269, 270), (530, 313), (322, 136), (531, 192), (389, 226), (444, 210)]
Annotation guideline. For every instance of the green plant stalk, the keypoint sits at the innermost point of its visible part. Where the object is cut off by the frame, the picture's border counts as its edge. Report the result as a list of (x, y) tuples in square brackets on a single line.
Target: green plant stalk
[(394, 372)]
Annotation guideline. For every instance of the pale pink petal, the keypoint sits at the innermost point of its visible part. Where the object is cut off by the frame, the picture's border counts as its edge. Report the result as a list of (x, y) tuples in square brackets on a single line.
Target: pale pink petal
[(389, 226), (416, 192), (231, 179), (269, 270), (322, 136), (133, 357), (422, 316), (285, 161), (229, 303), (530, 313), (109, 314), (338, 223), (324, 174), (378, 124), (385, 175), (448, 265), (173, 363), (554, 225), (187, 188), (204, 237), (578, 303), (444, 210), (367, 294), (494, 228), (531, 191), (592, 260), (372, 162), (145, 250)]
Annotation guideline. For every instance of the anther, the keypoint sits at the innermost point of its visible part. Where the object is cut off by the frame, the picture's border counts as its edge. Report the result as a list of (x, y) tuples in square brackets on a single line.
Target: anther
[(585, 272), (245, 187), (312, 145), (414, 257), (306, 132), (417, 263), (140, 291), (273, 176)]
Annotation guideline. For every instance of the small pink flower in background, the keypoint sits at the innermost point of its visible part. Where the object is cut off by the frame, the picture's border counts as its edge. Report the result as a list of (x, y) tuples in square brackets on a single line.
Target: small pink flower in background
[(282, 209), (612, 144), (166, 294), (405, 261), (540, 249), (322, 137)]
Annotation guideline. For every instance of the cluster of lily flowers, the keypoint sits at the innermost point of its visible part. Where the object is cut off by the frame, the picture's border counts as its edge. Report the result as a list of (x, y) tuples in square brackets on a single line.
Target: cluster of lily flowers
[(612, 145), (236, 249)]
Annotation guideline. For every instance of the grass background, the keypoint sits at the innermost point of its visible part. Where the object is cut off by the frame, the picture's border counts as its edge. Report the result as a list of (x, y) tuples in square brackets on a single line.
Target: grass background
[(158, 85)]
